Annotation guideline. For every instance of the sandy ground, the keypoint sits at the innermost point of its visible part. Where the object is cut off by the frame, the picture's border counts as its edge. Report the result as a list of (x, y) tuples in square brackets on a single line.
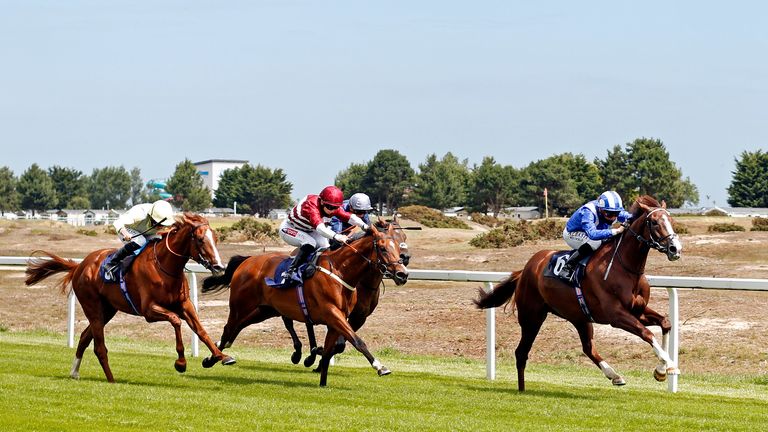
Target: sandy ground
[(724, 332)]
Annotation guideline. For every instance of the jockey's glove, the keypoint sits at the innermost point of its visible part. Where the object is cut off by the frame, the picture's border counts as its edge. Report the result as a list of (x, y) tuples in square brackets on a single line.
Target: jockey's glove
[(617, 231), (341, 238)]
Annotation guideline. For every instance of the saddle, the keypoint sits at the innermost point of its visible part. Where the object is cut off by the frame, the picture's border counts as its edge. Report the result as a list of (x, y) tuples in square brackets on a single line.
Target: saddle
[(304, 272), (557, 262)]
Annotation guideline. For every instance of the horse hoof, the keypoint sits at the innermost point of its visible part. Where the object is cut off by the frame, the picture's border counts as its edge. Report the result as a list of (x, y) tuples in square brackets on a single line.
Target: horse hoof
[(75, 376), (658, 376), (310, 360), (384, 371), (618, 381), (208, 362), (296, 357), (180, 367), (228, 361)]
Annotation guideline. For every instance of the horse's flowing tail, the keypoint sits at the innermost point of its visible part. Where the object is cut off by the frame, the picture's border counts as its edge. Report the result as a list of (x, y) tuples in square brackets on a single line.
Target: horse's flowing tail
[(40, 268), (218, 283), (501, 293)]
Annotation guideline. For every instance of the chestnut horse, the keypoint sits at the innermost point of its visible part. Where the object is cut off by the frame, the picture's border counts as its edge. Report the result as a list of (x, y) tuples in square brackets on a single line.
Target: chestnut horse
[(155, 282), (615, 293), (368, 291), (330, 295)]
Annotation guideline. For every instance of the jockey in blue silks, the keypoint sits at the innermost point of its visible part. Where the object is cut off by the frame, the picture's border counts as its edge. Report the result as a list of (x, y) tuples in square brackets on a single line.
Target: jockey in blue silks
[(358, 204), (590, 226)]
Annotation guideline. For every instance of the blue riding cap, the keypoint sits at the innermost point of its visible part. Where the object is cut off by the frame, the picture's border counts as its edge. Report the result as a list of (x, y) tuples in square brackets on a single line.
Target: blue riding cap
[(610, 201)]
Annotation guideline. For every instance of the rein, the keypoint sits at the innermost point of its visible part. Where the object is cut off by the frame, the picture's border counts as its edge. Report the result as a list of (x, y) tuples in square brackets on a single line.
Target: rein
[(187, 257), (381, 267), (651, 243)]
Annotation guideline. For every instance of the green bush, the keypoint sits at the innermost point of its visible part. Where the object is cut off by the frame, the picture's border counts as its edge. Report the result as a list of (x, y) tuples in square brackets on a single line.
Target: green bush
[(89, 233), (724, 227), (248, 228), (431, 218), (515, 233), (759, 224)]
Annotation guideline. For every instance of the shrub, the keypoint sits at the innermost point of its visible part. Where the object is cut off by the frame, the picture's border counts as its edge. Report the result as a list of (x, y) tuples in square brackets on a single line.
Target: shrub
[(248, 228), (759, 224), (715, 212), (431, 218), (89, 233), (489, 221), (514, 233), (724, 227), (680, 228)]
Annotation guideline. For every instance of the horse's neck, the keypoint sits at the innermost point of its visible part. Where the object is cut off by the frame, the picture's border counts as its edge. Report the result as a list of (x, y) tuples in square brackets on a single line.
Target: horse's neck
[(633, 253), (353, 265), (170, 259)]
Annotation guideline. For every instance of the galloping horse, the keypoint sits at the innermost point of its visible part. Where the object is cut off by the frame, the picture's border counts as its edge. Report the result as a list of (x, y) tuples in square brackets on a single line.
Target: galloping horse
[(368, 291), (156, 287), (329, 296), (613, 294)]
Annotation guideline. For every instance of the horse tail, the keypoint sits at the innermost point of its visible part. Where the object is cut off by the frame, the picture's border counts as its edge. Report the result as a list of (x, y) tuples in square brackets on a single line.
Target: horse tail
[(502, 293), (218, 283), (41, 268)]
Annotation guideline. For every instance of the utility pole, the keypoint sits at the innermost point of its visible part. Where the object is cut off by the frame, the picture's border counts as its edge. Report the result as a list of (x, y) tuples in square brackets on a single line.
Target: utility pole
[(546, 205)]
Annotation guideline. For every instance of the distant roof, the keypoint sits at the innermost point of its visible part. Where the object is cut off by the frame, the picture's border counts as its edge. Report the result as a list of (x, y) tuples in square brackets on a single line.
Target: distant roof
[(220, 160)]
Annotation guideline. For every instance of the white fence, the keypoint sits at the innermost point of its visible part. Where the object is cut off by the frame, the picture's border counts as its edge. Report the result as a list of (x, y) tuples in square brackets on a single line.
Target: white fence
[(671, 283)]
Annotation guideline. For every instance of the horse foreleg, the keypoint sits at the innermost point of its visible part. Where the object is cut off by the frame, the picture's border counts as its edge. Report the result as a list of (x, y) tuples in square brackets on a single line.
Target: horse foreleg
[(154, 312), (296, 356), (633, 325), (586, 334), (653, 318), (190, 316), (338, 326)]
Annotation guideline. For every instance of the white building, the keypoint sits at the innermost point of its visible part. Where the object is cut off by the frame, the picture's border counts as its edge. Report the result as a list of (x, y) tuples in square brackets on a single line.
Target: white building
[(211, 170)]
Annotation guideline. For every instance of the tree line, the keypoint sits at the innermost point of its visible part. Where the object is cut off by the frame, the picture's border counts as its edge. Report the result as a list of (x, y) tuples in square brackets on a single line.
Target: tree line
[(637, 168)]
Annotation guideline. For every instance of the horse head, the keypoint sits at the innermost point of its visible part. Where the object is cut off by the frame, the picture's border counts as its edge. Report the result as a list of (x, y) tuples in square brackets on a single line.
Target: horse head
[(391, 251), (652, 226), (197, 240)]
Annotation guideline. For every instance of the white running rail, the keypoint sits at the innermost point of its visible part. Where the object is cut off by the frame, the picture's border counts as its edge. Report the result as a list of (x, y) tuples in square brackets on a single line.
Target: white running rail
[(671, 283)]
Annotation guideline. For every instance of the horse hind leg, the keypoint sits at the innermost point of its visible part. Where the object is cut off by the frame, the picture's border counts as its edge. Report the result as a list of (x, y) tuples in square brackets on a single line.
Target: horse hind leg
[(530, 323), (586, 335), (296, 356), (85, 339)]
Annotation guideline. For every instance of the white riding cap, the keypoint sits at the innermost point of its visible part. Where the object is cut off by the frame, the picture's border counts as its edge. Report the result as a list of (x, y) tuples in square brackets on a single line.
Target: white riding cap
[(162, 213), (360, 201)]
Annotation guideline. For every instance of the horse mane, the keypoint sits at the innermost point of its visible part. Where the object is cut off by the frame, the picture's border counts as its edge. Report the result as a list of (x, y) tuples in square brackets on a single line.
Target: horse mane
[(188, 218), (646, 200)]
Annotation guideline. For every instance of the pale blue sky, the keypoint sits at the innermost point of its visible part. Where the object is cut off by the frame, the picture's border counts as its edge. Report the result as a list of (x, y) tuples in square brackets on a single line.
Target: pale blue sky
[(312, 86)]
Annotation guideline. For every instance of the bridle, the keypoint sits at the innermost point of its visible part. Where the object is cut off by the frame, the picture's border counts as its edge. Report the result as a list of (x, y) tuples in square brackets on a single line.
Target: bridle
[(377, 262), (200, 259), (661, 244)]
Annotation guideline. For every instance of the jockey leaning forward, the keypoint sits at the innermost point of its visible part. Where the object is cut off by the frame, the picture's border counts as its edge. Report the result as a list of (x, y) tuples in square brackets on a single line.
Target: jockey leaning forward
[(136, 227), (590, 226), (306, 227)]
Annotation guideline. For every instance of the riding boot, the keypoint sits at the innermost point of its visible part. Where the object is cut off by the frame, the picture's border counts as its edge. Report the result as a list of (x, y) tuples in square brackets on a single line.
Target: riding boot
[(301, 256), (568, 268), (111, 271)]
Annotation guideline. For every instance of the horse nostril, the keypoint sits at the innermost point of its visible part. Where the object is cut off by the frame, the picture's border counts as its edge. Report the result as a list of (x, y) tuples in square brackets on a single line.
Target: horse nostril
[(401, 275), (673, 249)]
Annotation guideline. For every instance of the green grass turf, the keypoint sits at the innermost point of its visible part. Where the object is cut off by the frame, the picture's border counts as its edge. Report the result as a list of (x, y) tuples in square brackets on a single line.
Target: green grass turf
[(264, 391)]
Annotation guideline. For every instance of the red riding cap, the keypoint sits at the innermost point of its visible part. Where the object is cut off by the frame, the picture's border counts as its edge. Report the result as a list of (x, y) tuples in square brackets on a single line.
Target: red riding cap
[(332, 195)]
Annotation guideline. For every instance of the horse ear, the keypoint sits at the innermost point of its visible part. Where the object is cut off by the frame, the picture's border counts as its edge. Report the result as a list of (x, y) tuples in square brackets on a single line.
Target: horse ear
[(663, 204), (643, 206)]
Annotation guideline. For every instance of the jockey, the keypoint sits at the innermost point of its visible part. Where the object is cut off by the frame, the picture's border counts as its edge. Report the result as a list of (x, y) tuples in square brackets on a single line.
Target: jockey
[(360, 205), (145, 220), (305, 226), (590, 225)]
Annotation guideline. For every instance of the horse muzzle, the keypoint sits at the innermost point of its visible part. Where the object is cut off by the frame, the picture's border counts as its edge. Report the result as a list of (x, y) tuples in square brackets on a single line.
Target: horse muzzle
[(400, 277)]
